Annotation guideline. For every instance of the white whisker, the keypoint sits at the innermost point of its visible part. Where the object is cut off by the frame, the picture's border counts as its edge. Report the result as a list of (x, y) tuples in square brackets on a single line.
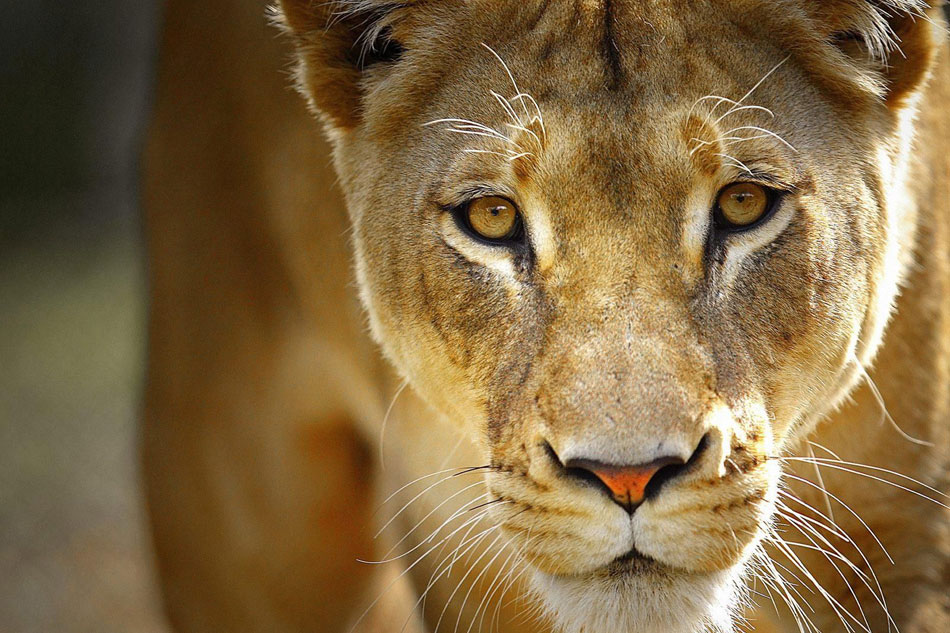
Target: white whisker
[(493, 587), (719, 101), (848, 508), (458, 585), (460, 471), (509, 155), (808, 531), (733, 140), (843, 614), (461, 123), (472, 586), (739, 108), (510, 75), (770, 133), (382, 429), (506, 106), (526, 131), (880, 400), (830, 464), (463, 509), (735, 163), (441, 569), (785, 591), (451, 454), (473, 128), (838, 460), (821, 482), (760, 82), (496, 135), (391, 584), (410, 502), (521, 96)]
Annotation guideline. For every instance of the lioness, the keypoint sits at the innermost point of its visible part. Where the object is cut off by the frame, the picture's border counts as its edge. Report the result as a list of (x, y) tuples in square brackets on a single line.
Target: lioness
[(664, 287)]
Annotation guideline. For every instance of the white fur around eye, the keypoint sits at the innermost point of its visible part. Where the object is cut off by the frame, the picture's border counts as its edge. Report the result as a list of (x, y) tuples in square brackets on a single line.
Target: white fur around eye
[(497, 259), (742, 244), (541, 235)]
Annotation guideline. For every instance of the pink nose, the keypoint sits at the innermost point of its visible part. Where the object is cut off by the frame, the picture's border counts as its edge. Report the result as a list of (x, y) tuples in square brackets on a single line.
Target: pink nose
[(627, 484)]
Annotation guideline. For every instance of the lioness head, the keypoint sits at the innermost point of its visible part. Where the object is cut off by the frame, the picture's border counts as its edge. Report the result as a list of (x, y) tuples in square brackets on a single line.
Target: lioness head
[(634, 248)]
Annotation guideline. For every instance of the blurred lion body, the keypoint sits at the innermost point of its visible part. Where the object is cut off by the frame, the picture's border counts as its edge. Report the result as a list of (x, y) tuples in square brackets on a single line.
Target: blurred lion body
[(266, 397)]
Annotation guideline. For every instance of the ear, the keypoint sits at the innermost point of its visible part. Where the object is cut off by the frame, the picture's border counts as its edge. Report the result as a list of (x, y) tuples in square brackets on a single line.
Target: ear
[(892, 43), (918, 38), (335, 41)]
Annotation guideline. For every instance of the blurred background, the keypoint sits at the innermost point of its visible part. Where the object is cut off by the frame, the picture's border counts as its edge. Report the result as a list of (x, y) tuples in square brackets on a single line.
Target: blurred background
[(75, 86), (74, 103)]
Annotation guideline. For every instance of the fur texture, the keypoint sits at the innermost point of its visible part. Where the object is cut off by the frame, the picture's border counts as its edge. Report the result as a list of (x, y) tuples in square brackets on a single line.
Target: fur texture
[(628, 325)]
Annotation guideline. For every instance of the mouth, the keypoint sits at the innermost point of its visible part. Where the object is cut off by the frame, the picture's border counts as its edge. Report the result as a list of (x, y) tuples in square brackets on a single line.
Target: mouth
[(633, 563), (635, 592)]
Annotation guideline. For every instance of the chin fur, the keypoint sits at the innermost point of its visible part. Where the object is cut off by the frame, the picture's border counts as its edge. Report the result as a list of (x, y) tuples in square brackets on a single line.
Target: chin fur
[(658, 601)]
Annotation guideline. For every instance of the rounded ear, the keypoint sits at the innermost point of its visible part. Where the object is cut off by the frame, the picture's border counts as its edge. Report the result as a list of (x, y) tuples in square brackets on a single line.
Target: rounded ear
[(894, 41), (908, 68), (334, 42)]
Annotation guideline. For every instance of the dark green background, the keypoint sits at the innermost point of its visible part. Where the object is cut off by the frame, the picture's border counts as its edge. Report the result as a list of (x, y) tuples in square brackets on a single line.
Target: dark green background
[(74, 91)]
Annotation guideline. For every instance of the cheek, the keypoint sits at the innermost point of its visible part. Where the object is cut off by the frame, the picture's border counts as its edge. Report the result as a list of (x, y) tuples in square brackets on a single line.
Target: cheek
[(467, 313), (446, 322), (801, 309)]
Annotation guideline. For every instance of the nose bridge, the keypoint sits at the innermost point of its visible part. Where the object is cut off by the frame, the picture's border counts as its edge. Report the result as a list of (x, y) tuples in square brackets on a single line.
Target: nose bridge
[(628, 389), (617, 208), (613, 257), (627, 379), (621, 274)]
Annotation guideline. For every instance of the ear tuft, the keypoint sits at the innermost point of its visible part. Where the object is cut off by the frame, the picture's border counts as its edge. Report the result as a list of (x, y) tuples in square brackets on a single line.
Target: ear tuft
[(875, 22), (335, 41), (891, 42), (379, 47), (917, 39)]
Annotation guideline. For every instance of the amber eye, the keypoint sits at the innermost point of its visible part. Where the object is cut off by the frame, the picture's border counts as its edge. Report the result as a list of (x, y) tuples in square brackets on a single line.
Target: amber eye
[(742, 204), (493, 218)]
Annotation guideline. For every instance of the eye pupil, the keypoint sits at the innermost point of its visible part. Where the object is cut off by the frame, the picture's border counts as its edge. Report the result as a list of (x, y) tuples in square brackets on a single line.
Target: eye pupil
[(742, 204), (493, 218)]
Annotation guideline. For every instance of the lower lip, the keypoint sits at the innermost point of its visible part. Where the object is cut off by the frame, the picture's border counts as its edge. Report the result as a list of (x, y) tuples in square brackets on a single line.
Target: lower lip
[(632, 563)]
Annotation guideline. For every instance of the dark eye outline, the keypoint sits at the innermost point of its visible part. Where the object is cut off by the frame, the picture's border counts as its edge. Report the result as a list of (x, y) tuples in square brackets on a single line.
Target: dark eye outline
[(514, 239), (774, 201)]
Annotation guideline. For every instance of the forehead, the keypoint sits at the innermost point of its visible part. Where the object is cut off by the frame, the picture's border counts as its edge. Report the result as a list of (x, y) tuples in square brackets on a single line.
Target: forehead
[(651, 49), (612, 76), (616, 82)]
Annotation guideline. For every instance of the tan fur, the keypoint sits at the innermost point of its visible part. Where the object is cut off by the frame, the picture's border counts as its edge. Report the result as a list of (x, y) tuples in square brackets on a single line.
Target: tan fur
[(623, 333)]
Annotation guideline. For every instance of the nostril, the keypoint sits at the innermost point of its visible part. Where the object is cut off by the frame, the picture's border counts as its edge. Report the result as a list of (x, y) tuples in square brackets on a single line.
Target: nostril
[(662, 476), (701, 448), (552, 454), (575, 469), (676, 469), (587, 476), (627, 485)]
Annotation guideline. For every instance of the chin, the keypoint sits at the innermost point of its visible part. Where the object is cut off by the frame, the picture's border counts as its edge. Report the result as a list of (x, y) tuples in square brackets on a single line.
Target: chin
[(640, 595)]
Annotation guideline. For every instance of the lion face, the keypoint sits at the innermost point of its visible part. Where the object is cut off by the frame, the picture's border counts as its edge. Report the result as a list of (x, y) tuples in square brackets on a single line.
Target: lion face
[(633, 250)]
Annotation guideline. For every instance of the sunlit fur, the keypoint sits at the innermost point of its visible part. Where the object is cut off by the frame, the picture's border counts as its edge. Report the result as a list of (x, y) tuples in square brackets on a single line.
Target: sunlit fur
[(629, 327), (632, 336), (694, 604)]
